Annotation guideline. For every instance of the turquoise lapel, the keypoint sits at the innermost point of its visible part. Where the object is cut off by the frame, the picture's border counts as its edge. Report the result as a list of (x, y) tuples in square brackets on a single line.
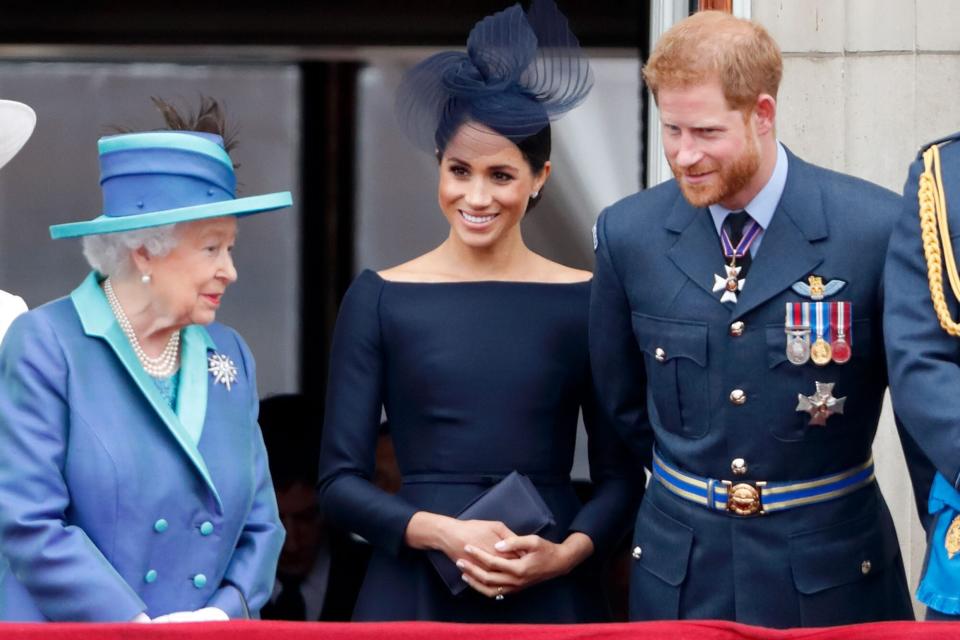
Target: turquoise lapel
[(98, 320), (192, 391)]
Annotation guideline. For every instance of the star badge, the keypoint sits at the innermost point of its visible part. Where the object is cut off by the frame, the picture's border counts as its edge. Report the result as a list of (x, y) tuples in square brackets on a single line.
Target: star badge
[(821, 405), (222, 369), (730, 285)]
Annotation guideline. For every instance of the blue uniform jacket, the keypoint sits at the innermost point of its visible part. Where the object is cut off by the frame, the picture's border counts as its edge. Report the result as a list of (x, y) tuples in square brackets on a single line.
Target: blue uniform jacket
[(107, 507), (667, 357), (925, 370)]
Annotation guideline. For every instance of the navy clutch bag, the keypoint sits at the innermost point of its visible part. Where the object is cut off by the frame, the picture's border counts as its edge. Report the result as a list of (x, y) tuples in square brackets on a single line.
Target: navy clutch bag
[(515, 502)]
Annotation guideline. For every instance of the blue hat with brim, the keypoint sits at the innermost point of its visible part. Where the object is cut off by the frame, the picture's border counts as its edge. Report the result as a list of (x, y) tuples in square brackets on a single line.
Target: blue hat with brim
[(157, 178)]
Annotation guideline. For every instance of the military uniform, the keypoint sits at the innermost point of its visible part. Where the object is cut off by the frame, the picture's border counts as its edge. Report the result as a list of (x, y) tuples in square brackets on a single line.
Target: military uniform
[(923, 351), (712, 387)]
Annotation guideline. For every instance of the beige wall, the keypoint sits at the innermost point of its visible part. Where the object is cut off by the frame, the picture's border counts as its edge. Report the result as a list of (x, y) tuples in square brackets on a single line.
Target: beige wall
[(866, 82)]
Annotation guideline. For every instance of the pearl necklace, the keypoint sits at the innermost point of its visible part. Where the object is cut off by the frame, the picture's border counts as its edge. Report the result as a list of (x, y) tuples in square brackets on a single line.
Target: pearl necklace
[(164, 365)]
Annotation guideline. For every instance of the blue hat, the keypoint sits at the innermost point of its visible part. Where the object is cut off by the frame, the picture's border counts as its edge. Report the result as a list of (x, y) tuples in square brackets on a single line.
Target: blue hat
[(519, 72), (162, 177)]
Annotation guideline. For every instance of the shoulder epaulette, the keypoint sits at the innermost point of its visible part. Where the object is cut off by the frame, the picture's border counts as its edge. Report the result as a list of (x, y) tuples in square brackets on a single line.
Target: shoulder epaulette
[(941, 141)]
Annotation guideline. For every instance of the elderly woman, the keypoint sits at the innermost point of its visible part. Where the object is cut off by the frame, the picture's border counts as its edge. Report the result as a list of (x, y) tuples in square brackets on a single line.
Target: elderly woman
[(133, 478), (16, 124)]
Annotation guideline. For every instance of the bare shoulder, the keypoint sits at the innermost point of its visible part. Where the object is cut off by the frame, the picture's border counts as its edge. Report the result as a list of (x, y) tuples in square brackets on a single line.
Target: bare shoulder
[(554, 272), (420, 269)]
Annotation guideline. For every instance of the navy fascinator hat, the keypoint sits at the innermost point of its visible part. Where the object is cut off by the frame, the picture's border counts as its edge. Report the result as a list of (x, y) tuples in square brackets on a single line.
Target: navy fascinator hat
[(520, 71)]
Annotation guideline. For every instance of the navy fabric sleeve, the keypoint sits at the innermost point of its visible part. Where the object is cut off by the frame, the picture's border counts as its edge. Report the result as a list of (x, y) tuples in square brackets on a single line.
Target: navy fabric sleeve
[(619, 378), (618, 481), (923, 360), (353, 408)]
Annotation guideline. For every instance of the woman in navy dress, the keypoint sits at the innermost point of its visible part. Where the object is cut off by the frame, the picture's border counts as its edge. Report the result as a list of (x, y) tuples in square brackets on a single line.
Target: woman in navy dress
[(478, 352)]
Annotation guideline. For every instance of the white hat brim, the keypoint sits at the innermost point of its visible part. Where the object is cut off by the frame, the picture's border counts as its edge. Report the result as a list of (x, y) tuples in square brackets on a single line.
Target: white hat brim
[(17, 121)]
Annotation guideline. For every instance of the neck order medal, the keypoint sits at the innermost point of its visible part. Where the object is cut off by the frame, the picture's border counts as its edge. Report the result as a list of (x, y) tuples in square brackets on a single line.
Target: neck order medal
[(732, 283)]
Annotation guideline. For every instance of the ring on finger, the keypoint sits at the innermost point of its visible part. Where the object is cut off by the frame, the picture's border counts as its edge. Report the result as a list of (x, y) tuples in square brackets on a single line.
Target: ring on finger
[(499, 596)]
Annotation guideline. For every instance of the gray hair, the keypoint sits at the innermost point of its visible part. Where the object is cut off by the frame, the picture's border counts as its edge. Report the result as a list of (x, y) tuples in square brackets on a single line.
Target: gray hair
[(110, 253)]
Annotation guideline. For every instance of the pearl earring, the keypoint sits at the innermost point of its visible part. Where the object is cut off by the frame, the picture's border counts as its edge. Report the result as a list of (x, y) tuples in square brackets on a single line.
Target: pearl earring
[(145, 278), (535, 195)]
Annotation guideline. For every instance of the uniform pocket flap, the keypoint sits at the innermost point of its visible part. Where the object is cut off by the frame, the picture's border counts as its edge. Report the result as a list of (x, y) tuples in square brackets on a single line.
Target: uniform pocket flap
[(842, 554), (675, 338), (664, 544), (776, 345)]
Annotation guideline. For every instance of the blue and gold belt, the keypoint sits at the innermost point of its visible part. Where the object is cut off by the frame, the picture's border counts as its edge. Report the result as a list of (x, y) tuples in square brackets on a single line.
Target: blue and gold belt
[(755, 498)]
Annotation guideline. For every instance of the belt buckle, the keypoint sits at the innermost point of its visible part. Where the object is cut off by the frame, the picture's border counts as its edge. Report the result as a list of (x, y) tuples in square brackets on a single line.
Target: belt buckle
[(744, 498)]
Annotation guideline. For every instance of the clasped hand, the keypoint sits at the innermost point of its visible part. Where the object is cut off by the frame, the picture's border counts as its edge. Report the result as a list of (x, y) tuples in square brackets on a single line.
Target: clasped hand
[(493, 559), (518, 562)]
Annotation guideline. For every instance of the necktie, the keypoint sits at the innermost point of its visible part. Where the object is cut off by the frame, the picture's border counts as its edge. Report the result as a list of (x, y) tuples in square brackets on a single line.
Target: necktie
[(734, 224), (289, 605)]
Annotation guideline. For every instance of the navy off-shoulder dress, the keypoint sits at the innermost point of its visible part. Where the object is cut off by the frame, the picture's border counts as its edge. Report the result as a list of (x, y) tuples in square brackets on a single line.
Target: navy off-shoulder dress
[(477, 379)]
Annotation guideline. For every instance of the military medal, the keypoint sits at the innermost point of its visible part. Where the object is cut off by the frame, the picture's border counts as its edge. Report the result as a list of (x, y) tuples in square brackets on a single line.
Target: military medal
[(820, 351), (840, 332), (731, 284), (797, 327), (821, 405), (952, 539)]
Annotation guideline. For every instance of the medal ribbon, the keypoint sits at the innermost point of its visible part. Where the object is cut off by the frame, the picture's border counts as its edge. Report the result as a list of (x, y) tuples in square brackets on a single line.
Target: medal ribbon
[(797, 315), (805, 315), (840, 317), (821, 325), (749, 235)]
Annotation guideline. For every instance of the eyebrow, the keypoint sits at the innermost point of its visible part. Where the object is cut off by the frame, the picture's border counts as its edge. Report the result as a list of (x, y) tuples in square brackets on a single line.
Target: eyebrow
[(499, 167), (702, 125), (217, 235)]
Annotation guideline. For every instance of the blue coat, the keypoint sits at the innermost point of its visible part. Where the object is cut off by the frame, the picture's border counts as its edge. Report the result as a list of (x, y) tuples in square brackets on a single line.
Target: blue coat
[(667, 356), (925, 370), (107, 507)]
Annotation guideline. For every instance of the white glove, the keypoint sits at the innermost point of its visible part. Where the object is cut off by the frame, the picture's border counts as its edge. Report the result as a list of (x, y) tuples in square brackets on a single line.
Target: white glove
[(207, 614)]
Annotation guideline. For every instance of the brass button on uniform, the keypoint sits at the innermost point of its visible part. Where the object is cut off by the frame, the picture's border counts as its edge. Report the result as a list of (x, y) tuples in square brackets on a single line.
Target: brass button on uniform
[(865, 567), (659, 354), (736, 329), (636, 553), (738, 396), (738, 466)]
